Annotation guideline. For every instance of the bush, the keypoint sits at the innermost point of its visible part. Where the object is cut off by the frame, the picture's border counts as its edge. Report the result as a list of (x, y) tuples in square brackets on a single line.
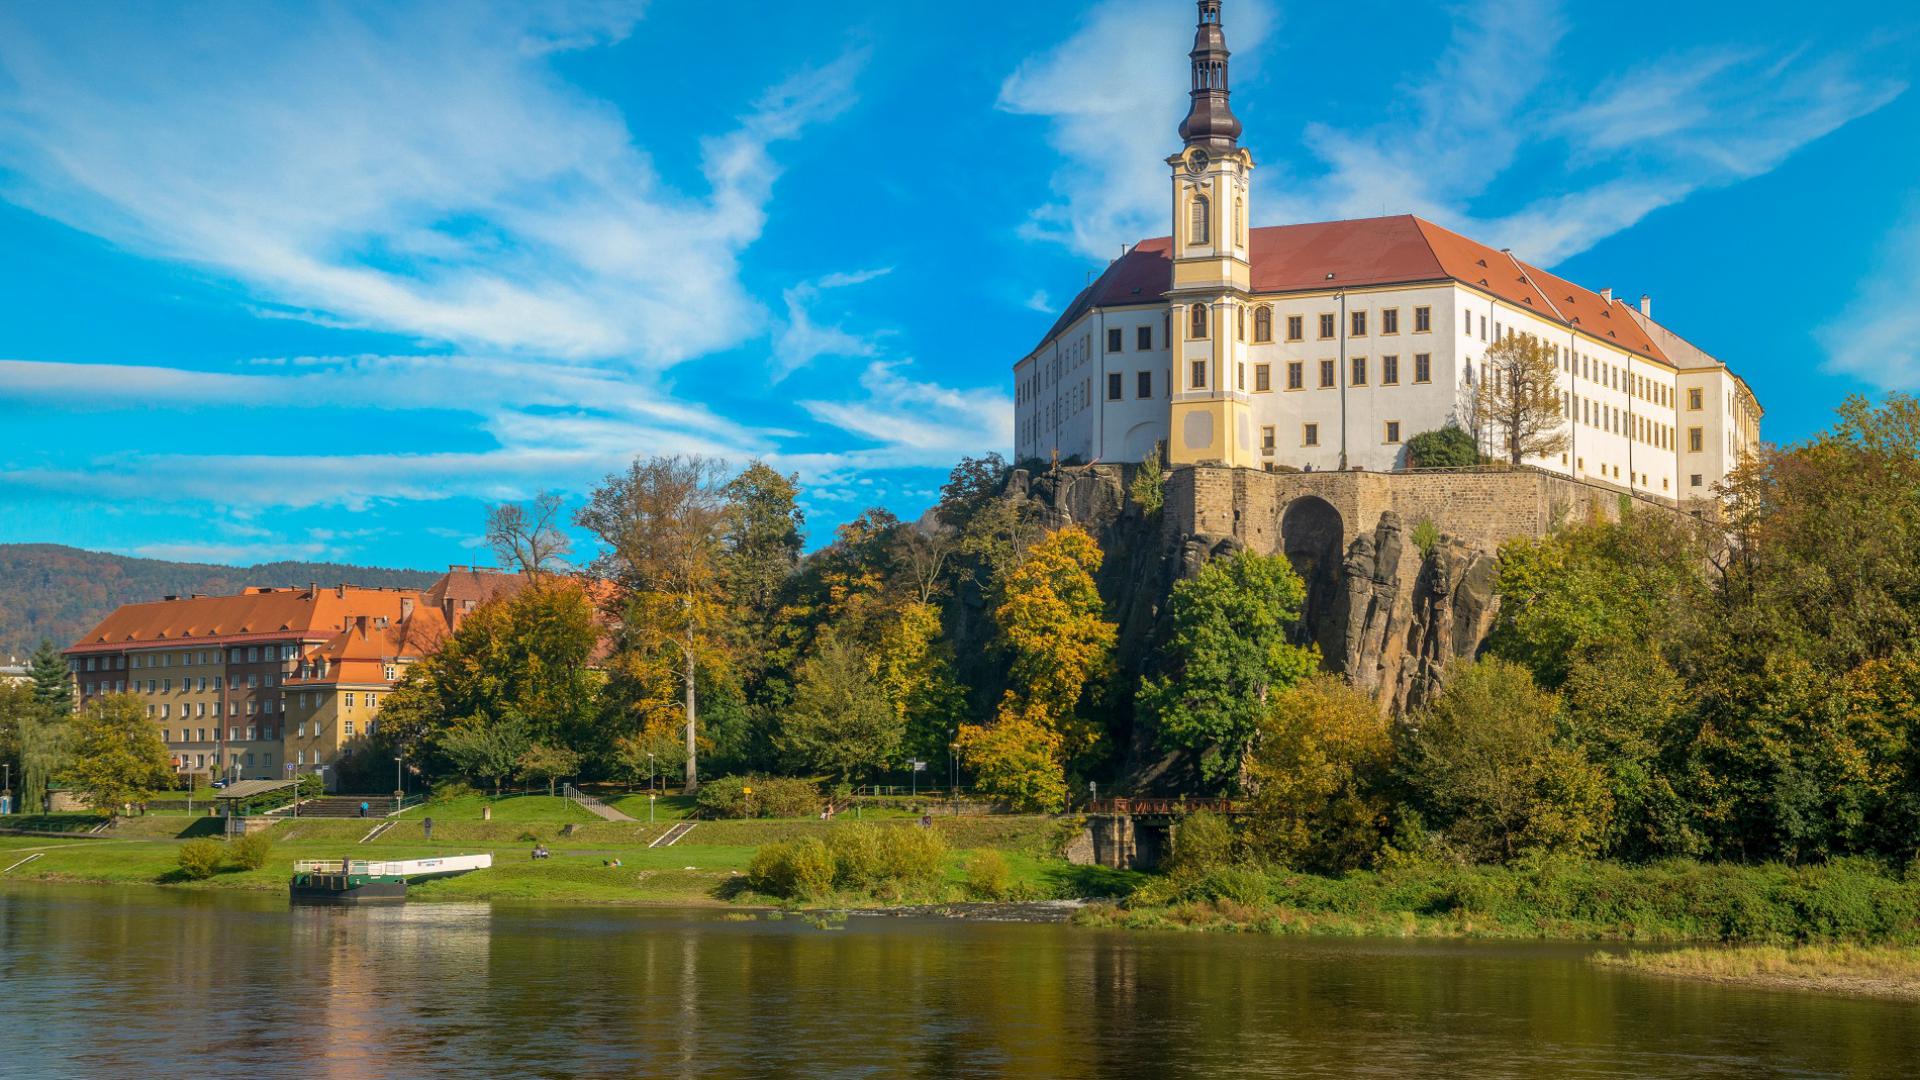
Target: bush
[(773, 797), (201, 859), (1447, 448), (988, 876), (448, 790), (1201, 843), (251, 850), (801, 869)]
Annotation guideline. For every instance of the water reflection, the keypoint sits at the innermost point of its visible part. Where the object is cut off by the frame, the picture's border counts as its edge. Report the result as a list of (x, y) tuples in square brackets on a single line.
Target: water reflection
[(145, 982)]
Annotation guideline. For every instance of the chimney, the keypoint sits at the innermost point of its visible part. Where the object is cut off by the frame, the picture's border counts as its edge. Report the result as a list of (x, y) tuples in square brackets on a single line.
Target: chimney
[(406, 608), (1646, 305), (1607, 295), (340, 591), (313, 589), (360, 624)]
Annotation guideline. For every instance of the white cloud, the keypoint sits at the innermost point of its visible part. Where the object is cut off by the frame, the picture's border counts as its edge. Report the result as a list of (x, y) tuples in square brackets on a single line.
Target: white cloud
[(1110, 94), (912, 422), (409, 168), (799, 340), (1493, 111), (235, 554), (1877, 338)]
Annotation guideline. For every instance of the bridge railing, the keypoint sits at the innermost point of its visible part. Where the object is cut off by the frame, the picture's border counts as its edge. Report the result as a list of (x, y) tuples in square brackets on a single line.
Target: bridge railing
[(1163, 806)]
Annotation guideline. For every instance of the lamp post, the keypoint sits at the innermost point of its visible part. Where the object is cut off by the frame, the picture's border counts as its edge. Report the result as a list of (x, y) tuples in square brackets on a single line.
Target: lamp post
[(649, 777)]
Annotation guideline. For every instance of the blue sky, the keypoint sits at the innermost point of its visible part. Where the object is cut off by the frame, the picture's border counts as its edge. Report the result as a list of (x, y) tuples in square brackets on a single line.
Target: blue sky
[(321, 281)]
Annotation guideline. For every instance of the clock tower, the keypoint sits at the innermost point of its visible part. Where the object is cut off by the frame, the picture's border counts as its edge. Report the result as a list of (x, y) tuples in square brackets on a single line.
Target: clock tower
[(1212, 272)]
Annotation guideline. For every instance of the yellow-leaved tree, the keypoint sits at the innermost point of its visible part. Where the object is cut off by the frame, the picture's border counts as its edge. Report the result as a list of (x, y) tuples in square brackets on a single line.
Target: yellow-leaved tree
[(1051, 622)]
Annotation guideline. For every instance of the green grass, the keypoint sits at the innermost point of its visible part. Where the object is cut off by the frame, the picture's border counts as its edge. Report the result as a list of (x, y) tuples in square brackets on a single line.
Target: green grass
[(704, 868), (665, 808)]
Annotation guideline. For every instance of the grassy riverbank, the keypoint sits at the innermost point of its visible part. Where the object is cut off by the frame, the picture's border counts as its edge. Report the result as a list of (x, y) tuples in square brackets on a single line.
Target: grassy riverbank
[(706, 867), (1567, 899), (1885, 971)]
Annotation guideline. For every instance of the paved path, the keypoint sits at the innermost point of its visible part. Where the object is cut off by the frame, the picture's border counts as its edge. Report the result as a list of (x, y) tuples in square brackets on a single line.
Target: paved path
[(594, 806)]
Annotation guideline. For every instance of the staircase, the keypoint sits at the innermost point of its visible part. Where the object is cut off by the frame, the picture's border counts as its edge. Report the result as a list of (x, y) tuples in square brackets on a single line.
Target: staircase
[(592, 805), (340, 806)]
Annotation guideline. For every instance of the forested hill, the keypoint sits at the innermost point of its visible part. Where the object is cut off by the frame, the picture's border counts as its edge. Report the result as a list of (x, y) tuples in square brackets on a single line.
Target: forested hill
[(56, 592)]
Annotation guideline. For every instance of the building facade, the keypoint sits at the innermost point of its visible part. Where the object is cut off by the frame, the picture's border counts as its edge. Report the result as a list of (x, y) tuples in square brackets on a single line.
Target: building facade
[(1328, 345), (274, 681)]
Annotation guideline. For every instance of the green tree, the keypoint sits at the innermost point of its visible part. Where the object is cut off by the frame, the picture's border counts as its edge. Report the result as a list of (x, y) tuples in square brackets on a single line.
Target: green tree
[(544, 761), (1319, 776), (118, 757), (52, 684), (1448, 447), (484, 748), (1230, 649), (18, 710), (915, 671), (1632, 714), (760, 548), (1488, 768), (840, 721), (1148, 487)]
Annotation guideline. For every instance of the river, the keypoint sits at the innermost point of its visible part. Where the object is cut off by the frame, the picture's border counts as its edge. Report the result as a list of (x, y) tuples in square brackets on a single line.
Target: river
[(153, 982)]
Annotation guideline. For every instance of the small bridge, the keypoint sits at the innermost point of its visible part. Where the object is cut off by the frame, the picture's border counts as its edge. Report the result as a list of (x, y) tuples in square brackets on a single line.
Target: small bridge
[(1159, 806), (1133, 832)]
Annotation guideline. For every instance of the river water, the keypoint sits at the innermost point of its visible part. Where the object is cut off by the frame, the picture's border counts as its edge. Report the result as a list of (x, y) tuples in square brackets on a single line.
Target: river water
[(151, 982)]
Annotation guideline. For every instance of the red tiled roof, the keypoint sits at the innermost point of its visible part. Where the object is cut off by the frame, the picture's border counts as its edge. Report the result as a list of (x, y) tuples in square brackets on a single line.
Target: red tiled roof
[(1399, 250), (255, 614)]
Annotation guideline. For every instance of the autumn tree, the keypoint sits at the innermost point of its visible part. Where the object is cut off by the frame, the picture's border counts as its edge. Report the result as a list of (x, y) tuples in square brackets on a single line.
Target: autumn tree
[(1052, 628), (1489, 768), (544, 761), (118, 757), (1516, 403), (528, 538), (1319, 777), (915, 673), (1231, 648), (663, 523)]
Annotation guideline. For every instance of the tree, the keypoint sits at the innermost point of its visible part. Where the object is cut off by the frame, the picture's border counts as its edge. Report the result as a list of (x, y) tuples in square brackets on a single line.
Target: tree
[(915, 672), (1318, 776), (18, 710), (543, 761), (1632, 714), (762, 540), (118, 757), (663, 522), (1231, 647), (972, 486), (52, 684), (1516, 404), (528, 538), (922, 551), (1018, 760), (1484, 760), (1148, 487), (485, 749), (840, 721), (1448, 447)]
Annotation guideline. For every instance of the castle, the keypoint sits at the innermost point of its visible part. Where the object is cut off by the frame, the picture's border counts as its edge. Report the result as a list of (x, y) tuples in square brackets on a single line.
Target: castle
[(1327, 346)]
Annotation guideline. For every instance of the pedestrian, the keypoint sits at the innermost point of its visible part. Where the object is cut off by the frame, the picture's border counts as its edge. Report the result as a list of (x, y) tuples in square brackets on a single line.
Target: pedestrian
[(363, 808), (427, 825)]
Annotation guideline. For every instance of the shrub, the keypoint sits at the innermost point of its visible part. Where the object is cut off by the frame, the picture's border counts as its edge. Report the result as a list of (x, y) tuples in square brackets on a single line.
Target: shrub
[(251, 850), (801, 869), (1201, 843), (988, 875), (201, 859), (1446, 448), (773, 797), (452, 788), (1240, 884), (911, 860), (1425, 536)]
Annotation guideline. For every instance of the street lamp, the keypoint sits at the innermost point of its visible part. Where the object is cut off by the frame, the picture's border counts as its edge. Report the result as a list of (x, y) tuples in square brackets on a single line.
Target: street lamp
[(649, 775)]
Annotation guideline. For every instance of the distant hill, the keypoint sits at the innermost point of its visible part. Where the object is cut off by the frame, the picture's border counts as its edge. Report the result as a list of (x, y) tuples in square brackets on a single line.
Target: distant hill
[(57, 592)]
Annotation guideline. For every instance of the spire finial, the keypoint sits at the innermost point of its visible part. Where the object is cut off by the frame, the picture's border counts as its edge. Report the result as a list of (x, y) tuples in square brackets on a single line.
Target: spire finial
[(1210, 121)]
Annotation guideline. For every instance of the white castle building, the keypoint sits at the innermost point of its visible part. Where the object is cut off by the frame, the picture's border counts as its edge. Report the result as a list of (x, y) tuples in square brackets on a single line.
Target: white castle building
[(1328, 345)]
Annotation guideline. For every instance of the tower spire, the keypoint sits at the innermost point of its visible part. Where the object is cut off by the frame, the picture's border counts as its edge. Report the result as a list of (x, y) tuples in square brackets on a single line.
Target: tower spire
[(1210, 121)]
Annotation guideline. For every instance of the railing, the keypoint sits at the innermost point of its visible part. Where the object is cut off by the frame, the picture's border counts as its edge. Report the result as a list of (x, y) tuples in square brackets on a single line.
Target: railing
[(320, 866), (579, 796), (1163, 806), (408, 803)]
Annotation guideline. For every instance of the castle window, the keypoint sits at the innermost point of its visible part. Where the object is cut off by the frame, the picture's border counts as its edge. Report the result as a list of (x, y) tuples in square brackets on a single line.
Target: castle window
[(1143, 338), (1262, 377), (1240, 322), (1296, 377), (1393, 431), (1295, 327), (1389, 370), (1197, 228), (1239, 376), (1143, 384), (1266, 440), (1310, 435), (1696, 440), (1198, 374), (1262, 323), (1693, 398), (1197, 321), (1240, 221), (1695, 480), (1114, 385), (1326, 326), (1390, 321), (1358, 319), (1422, 320), (1327, 374), (1116, 340), (1359, 371)]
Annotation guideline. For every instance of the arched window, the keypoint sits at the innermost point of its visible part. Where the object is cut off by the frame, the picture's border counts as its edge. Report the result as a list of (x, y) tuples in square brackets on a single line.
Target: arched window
[(1240, 221), (1198, 321), (1239, 322), (1198, 229), (1262, 323)]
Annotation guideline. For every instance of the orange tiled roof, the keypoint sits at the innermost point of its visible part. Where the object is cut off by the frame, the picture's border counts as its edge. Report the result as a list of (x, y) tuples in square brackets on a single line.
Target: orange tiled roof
[(1398, 250), (253, 615)]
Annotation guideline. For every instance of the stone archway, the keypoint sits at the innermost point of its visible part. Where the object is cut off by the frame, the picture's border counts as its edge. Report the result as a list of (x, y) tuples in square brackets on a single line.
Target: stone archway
[(1311, 535)]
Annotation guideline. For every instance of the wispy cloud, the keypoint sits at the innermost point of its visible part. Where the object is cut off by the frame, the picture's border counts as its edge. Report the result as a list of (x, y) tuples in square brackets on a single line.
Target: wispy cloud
[(799, 340), (1501, 111), (1877, 337), (407, 168), (911, 422)]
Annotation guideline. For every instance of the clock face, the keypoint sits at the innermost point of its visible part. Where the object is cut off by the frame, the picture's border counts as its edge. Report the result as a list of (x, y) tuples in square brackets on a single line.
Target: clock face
[(1198, 162)]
